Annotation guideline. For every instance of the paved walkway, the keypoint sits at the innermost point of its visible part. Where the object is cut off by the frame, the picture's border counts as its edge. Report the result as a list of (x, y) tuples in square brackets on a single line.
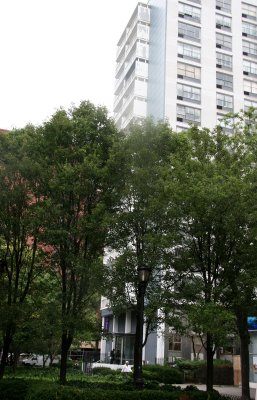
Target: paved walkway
[(234, 391)]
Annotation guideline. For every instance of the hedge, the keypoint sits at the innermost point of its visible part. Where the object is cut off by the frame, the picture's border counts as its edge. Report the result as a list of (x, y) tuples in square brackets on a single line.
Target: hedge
[(17, 389), (163, 374)]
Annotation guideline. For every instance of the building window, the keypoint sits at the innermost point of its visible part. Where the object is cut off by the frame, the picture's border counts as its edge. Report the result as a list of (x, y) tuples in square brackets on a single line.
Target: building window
[(223, 5), (190, 32), (250, 88), (188, 93), (224, 81), (249, 11), (224, 61), (249, 68), (189, 72), (189, 51), (249, 49), (223, 22), (249, 29), (175, 342), (189, 12), (249, 103), (188, 114), (223, 41), (224, 102)]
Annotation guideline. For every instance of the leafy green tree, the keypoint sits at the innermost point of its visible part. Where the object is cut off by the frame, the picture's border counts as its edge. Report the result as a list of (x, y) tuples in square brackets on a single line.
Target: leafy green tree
[(19, 231), (136, 229), (212, 187), (77, 186)]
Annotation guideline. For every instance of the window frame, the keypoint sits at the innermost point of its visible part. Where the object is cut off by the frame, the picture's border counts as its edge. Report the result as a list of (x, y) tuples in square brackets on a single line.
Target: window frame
[(221, 62), (195, 92), (251, 69), (221, 83), (221, 43), (185, 30), (222, 5), (175, 342), (189, 12), (186, 74), (221, 22), (249, 86), (246, 13), (247, 50), (223, 101), (249, 30), (185, 116), (249, 101), (186, 47)]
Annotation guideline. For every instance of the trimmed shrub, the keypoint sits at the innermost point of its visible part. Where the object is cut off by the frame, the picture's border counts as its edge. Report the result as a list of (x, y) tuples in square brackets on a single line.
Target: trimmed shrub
[(163, 374), (195, 371), (104, 371)]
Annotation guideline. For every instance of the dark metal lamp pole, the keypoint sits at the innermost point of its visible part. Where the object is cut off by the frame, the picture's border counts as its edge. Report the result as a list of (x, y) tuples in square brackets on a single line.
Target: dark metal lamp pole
[(143, 278)]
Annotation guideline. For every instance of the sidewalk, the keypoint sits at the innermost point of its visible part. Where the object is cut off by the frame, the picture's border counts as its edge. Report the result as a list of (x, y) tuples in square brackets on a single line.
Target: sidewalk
[(233, 391)]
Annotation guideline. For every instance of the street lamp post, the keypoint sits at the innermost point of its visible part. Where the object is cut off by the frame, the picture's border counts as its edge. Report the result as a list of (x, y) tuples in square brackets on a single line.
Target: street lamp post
[(143, 278)]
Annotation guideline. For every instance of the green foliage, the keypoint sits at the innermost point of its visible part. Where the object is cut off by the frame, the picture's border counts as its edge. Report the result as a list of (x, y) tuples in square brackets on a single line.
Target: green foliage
[(34, 384), (13, 389), (194, 364), (162, 374), (105, 371)]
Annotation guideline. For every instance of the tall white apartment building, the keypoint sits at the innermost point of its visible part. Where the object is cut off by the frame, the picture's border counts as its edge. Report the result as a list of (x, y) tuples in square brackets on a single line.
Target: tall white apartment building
[(190, 61)]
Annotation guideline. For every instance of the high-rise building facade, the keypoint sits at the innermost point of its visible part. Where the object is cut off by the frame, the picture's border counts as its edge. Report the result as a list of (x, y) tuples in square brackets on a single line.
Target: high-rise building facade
[(190, 61)]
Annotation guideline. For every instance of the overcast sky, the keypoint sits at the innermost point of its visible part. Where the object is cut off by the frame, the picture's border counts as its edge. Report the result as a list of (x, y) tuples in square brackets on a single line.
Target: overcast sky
[(55, 53)]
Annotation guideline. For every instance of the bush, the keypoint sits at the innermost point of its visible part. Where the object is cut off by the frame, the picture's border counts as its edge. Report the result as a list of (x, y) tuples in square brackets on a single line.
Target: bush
[(162, 374), (13, 389), (104, 371), (18, 390), (195, 371)]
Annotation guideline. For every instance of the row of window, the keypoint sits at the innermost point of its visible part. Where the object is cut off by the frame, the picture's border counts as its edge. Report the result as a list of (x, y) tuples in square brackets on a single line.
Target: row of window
[(223, 41), (223, 81), (193, 94), (191, 52), (187, 114), (248, 10), (194, 13), (193, 115)]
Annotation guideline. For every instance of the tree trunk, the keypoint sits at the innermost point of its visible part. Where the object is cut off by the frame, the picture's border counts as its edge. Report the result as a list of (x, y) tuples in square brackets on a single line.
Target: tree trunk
[(209, 370), (244, 352), (6, 346), (66, 343)]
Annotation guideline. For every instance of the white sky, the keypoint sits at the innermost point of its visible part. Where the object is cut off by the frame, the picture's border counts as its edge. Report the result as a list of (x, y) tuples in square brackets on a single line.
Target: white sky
[(55, 53)]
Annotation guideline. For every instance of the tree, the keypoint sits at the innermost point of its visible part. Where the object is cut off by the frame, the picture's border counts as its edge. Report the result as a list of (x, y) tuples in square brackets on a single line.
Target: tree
[(77, 176), (19, 231), (213, 190), (136, 229)]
